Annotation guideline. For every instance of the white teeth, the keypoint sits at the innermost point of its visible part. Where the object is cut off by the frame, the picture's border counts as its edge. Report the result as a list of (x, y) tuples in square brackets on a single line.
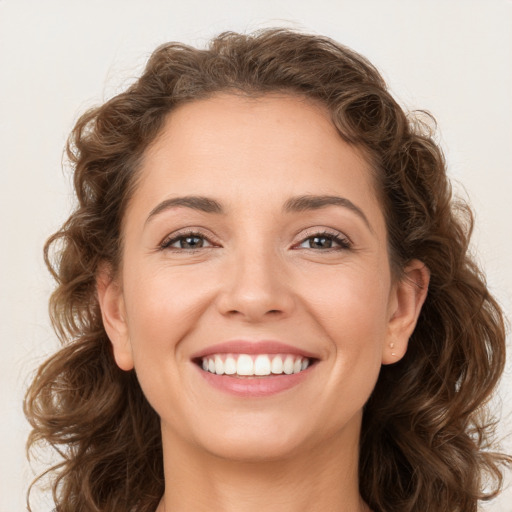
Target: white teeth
[(262, 365), (244, 365), (219, 365), (277, 365), (229, 365), (288, 365), (258, 365)]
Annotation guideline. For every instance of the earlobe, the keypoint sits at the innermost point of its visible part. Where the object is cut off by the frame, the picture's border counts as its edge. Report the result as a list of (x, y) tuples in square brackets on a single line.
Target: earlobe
[(409, 295), (111, 301)]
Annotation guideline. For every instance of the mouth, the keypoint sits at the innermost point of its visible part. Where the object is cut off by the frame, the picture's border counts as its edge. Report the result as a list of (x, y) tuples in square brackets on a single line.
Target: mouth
[(254, 369), (254, 365)]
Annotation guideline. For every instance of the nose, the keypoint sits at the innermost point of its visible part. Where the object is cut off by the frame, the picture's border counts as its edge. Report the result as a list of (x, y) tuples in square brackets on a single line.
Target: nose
[(256, 288)]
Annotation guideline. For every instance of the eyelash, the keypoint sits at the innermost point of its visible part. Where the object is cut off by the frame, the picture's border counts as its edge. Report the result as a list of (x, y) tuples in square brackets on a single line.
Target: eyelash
[(342, 241), (167, 242)]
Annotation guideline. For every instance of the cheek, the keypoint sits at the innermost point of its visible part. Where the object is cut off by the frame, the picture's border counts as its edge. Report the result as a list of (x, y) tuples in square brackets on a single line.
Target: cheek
[(352, 310), (351, 303), (162, 308)]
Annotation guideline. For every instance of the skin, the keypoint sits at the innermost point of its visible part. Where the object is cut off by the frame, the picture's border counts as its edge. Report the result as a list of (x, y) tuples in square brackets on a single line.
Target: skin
[(258, 276)]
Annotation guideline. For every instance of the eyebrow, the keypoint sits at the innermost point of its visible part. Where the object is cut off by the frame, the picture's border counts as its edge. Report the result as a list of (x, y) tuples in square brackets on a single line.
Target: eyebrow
[(294, 204), (200, 203), (312, 202)]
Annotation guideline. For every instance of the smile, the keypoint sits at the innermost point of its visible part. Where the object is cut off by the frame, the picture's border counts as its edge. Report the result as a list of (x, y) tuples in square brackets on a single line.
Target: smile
[(254, 368), (248, 365)]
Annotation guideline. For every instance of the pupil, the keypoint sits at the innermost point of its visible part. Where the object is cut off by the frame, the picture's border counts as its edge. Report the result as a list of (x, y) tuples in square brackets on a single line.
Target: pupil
[(321, 242), (191, 242)]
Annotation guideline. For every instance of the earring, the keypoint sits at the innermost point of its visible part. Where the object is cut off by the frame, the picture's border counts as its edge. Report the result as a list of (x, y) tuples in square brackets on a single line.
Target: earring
[(392, 346)]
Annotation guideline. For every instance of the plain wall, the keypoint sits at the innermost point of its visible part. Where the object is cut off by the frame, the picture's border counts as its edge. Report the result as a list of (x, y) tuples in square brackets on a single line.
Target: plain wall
[(58, 58)]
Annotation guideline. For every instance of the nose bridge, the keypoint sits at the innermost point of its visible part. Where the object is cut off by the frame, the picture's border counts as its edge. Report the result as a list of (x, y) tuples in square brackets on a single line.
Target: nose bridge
[(256, 285)]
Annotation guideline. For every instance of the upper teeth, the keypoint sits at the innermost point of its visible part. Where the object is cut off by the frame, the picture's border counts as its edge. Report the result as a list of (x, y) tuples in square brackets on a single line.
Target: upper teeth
[(261, 364)]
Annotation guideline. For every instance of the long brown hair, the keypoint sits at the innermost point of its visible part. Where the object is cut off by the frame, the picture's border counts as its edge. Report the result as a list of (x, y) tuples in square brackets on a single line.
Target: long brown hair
[(425, 442)]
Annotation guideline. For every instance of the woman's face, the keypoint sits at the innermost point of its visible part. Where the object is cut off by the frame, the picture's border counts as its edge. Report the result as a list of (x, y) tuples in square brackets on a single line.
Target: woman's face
[(255, 243)]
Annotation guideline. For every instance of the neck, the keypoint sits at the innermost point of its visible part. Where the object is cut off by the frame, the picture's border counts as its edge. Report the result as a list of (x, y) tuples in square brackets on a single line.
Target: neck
[(319, 479)]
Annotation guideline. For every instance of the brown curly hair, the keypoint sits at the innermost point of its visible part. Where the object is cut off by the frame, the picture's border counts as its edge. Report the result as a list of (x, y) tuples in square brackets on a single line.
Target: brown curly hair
[(426, 436)]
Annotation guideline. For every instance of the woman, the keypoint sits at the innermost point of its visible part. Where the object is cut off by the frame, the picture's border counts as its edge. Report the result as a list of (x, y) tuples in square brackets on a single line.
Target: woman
[(265, 296)]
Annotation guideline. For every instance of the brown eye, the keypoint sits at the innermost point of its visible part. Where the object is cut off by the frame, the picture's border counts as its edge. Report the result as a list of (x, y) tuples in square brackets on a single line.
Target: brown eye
[(190, 242), (319, 242)]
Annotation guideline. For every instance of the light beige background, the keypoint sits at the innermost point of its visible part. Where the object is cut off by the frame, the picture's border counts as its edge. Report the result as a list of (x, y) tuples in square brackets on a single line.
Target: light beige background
[(59, 57)]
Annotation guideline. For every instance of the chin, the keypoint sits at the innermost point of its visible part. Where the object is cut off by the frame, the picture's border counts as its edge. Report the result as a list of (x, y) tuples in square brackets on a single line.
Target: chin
[(251, 441), (254, 449)]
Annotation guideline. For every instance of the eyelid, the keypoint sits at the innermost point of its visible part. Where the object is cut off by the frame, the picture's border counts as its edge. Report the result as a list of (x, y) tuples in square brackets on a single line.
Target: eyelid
[(341, 238), (167, 241)]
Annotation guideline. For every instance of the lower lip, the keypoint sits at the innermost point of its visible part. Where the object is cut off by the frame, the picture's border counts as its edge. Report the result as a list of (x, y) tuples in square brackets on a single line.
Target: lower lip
[(254, 386)]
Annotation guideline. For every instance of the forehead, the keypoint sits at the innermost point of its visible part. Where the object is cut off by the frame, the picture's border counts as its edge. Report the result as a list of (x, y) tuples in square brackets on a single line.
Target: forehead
[(252, 150)]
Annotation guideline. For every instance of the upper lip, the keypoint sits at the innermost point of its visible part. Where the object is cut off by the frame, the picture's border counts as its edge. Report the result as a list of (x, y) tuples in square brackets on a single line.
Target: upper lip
[(253, 347)]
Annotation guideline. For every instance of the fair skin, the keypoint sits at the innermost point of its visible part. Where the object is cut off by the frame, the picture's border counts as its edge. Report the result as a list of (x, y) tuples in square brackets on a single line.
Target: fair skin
[(254, 221)]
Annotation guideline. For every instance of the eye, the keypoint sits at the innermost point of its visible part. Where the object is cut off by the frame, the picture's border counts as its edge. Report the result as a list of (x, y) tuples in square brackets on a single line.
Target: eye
[(186, 241), (325, 241)]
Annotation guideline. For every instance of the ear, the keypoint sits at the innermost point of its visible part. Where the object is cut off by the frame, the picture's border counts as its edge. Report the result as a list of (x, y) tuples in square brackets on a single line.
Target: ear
[(406, 300), (111, 301)]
